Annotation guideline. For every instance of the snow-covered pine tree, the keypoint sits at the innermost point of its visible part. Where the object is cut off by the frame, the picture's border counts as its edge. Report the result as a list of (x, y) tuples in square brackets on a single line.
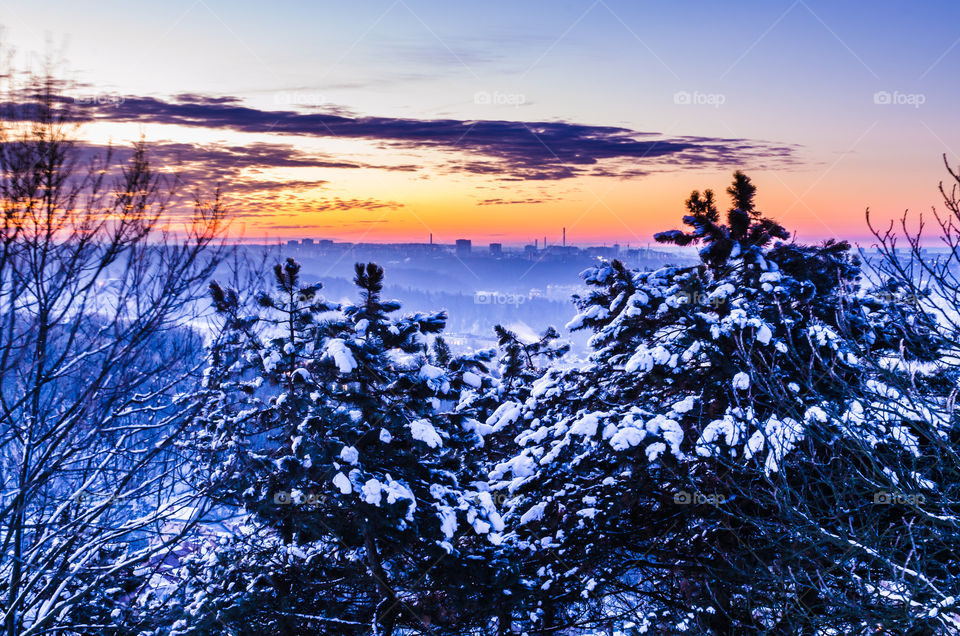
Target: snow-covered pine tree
[(715, 467), (519, 365), (347, 438), (520, 362)]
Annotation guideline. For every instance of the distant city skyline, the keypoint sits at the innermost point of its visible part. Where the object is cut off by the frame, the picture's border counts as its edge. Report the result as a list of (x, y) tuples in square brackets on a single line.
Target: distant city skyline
[(387, 121), (473, 246), (481, 247)]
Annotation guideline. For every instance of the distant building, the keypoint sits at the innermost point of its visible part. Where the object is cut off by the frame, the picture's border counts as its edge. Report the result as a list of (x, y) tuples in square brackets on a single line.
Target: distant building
[(306, 242), (602, 252), (496, 249), (562, 251), (530, 250), (463, 247), (292, 243)]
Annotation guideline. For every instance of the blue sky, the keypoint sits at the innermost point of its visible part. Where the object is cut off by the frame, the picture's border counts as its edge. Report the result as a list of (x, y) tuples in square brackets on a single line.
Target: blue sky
[(809, 75)]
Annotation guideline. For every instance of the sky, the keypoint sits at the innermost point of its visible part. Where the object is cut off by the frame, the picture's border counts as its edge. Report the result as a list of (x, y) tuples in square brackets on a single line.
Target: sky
[(507, 121)]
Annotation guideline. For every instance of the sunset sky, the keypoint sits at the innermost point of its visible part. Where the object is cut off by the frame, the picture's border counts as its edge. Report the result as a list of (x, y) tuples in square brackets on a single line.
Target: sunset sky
[(504, 121)]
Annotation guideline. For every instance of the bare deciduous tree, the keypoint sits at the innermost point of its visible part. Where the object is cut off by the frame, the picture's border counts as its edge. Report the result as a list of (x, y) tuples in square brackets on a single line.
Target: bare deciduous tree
[(101, 263)]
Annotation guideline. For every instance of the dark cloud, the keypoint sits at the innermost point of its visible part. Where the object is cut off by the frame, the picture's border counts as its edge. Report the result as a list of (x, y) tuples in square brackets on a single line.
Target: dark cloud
[(258, 156), (508, 149), (338, 226), (266, 185), (243, 172), (336, 203), (510, 201)]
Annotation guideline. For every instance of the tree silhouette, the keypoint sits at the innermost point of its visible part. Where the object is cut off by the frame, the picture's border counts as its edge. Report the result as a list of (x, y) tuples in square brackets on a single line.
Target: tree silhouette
[(744, 234)]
